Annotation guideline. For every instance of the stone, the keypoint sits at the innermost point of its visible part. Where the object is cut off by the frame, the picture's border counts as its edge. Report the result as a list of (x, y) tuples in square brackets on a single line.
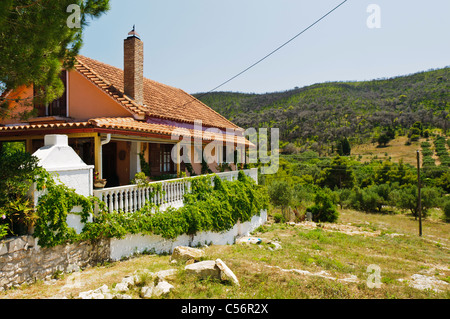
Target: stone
[(226, 273), (17, 244), (147, 291), (249, 240), (122, 296), (182, 253), (273, 245), (121, 287), (99, 293), (130, 280), (203, 269), (162, 288)]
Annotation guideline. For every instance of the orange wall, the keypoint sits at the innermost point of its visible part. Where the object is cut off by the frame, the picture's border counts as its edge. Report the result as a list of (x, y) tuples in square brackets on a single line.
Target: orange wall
[(87, 101), (25, 104)]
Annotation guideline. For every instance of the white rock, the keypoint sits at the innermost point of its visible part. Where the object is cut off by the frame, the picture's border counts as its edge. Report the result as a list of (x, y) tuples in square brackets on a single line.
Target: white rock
[(162, 288), (121, 287), (226, 273), (147, 291), (204, 269), (130, 280), (182, 253), (249, 240), (122, 296), (103, 289)]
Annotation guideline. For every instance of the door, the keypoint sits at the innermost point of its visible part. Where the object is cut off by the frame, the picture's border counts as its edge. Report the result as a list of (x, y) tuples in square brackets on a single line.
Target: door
[(109, 163)]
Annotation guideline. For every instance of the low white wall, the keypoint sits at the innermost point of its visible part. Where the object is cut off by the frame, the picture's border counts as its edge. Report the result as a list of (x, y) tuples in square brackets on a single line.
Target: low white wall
[(132, 244)]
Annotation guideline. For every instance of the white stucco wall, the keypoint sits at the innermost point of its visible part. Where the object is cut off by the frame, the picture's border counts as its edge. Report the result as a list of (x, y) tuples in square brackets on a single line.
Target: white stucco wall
[(132, 244), (58, 158)]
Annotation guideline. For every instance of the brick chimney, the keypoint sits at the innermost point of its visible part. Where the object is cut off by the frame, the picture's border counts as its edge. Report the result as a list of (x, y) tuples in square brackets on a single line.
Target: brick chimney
[(133, 75)]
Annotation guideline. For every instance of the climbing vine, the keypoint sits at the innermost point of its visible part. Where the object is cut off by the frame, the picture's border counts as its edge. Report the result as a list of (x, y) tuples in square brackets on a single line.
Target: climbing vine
[(206, 208), (52, 209), (216, 206)]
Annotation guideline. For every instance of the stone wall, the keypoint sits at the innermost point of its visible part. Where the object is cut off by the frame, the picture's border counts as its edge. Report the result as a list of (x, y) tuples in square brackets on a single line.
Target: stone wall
[(23, 261)]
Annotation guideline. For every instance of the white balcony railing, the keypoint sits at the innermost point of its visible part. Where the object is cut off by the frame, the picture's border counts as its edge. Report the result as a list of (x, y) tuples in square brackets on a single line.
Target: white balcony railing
[(131, 198)]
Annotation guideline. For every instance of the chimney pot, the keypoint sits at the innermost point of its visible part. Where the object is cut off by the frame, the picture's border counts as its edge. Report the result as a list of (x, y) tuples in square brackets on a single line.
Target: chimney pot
[(134, 67)]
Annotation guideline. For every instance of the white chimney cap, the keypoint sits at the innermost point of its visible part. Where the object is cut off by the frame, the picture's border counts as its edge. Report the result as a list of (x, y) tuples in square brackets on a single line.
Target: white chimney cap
[(56, 140)]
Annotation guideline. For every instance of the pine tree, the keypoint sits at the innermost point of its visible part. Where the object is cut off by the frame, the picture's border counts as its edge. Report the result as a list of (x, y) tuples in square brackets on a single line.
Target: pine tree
[(37, 40)]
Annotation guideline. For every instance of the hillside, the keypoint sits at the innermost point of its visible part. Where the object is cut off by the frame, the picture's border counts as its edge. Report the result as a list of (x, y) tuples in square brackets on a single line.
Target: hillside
[(319, 114)]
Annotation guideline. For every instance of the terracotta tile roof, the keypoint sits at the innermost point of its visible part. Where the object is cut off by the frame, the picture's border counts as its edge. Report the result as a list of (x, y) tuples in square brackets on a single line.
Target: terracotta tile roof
[(128, 123), (123, 124), (38, 126), (160, 100)]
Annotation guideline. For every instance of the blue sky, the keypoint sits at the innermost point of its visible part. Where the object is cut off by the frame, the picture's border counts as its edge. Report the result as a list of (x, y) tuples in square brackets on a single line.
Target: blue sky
[(196, 45)]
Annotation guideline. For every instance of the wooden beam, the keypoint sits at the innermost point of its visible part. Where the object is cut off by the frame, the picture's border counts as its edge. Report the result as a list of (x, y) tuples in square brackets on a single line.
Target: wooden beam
[(178, 160), (97, 155)]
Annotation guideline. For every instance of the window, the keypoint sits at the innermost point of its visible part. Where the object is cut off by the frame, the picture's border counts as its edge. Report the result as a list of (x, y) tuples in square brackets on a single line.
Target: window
[(56, 108), (165, 162)]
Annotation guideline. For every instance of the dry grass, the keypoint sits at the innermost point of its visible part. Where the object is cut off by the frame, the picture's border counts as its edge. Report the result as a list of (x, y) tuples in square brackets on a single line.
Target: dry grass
[(265, 273), (396, 150)]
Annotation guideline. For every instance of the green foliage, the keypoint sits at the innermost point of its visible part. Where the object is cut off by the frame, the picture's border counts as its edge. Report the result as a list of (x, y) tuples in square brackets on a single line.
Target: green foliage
[(145, 167), (316, 116), (280, 193), (339, 174), (36, 42), (323, 209), (446, 209), (343, 147), (18, 171), (52, 209), (206, 208), (205, 167)]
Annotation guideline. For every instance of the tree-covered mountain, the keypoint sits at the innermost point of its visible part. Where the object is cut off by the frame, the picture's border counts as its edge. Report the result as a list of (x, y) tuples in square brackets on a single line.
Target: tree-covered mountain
[(318, 115)]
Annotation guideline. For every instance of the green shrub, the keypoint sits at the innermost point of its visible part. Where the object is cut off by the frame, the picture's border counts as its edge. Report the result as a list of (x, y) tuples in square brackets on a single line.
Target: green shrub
[(446, 209), (18, 171), (323, 209), (279, 218)]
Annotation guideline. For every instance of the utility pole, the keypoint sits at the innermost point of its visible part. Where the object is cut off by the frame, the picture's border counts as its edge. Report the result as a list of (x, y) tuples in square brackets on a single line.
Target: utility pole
[(419, 197)]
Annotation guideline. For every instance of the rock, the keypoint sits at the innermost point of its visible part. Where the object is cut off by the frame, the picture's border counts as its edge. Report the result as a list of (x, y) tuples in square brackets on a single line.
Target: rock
[(147, 291), (273, 245), (190, 261), (121, 287), (249, 240), (130, 280), (122, 296), (204, 269), (126, 283), (226, 273), (99, 293), (182, 253), (162, 288)]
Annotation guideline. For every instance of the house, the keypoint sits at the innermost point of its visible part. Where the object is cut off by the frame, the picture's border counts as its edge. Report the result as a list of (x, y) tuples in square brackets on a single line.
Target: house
[(124, 123)]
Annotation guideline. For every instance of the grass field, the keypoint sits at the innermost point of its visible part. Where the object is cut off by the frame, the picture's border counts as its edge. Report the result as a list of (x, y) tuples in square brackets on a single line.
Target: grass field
[(314, 262), (395, 150)]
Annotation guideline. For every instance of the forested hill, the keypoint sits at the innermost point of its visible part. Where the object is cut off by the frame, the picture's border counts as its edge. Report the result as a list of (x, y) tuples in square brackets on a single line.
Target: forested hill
[(323, 113)]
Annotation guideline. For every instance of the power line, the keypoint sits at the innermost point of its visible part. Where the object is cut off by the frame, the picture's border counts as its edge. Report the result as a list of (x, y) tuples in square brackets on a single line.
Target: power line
[(280, 47), (274, 51)]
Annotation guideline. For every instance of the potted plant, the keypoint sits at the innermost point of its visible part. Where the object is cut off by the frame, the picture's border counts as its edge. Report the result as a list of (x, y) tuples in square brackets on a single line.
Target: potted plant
[(98, 182)]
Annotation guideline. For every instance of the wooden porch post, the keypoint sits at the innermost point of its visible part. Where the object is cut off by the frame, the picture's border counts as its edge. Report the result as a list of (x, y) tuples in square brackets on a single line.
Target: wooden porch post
[(97, 154), (29, 145), (178, 160)]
